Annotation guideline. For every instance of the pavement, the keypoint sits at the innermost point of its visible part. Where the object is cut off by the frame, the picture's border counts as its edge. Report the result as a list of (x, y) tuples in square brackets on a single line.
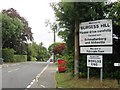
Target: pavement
[(47, 78)]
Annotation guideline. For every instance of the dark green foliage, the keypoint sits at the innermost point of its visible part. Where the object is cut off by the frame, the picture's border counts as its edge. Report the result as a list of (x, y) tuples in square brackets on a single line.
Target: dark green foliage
[(37, 51), (82, 65), (66, 14), (15, 31), (8, 55)]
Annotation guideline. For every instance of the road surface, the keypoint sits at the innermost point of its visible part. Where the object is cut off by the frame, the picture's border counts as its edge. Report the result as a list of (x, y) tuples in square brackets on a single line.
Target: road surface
[(21, 74)]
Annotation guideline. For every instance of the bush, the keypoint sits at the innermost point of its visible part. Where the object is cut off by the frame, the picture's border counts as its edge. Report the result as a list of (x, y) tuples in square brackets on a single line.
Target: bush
[(33, 59), (8, 55), (20, 58)]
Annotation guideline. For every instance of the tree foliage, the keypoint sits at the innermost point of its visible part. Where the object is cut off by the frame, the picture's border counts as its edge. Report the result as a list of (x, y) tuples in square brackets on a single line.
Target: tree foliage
[(66, 14), (58, 49), (38, 51), (15, 31)]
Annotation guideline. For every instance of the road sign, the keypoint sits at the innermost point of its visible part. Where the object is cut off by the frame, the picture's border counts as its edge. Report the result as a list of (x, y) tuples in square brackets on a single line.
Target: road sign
[(97, 32), (116, 64), (94, 61), (96, 50)]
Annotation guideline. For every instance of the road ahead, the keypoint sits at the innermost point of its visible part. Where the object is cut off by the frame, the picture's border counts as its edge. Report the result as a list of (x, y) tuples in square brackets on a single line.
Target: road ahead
[(21, 74)]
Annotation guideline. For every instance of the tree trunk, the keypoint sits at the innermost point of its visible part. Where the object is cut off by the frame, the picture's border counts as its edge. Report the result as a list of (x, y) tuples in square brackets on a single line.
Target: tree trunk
[(76, 58)]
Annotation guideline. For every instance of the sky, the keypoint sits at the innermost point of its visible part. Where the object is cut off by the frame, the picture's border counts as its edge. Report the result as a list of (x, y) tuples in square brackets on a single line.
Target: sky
[(36, 13)]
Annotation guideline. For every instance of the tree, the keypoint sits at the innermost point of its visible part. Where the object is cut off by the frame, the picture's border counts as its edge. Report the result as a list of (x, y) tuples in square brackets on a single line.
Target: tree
[(27, 34), (51, 47), (37, 51), (58, 49), (16, 31), (69, 13)]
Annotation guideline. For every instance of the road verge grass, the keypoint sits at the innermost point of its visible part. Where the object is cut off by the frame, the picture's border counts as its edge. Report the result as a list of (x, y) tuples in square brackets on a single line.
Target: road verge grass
[(64, 80)]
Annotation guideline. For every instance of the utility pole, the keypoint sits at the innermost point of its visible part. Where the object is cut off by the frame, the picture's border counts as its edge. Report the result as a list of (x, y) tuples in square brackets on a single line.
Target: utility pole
[(54, 28), (54, 42), (76, 56)]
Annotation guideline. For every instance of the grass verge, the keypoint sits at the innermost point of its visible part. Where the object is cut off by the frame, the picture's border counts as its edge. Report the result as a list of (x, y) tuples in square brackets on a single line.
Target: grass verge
[(64, 80)]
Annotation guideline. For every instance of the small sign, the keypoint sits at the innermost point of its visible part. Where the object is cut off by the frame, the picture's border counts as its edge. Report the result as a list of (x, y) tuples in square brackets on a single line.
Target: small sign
[(94, 61), (96, 50), (116, 64)]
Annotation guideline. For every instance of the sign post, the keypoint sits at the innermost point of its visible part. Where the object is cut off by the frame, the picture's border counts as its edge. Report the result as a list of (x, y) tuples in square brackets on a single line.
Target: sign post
[(95, 61), (101, 74), (88, 73), (118, 77), (95, 37)]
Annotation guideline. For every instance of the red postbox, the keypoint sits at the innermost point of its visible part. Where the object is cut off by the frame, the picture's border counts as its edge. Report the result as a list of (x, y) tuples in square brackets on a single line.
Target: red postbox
[(62, 65)]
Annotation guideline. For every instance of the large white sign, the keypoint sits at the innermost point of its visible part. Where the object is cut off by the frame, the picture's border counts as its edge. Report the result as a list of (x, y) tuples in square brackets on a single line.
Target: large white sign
[(94, 61), (97, 32), (96, 50)]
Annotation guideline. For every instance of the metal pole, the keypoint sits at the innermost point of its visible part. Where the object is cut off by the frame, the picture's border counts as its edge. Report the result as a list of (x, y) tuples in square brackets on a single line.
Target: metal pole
[(101, 74), (88, 73)]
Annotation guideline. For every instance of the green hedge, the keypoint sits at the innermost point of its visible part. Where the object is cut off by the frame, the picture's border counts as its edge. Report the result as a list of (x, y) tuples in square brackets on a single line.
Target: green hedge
[(8, 55), (33, 59), (20, 58)]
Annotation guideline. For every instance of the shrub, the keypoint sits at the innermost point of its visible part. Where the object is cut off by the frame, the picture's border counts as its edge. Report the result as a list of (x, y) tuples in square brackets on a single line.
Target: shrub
[(33, 59), (8, 55), (20, 58)]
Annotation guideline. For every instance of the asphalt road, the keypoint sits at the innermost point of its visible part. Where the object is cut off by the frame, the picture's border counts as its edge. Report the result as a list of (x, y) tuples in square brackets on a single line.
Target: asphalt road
[(47, 78), (21, 74)]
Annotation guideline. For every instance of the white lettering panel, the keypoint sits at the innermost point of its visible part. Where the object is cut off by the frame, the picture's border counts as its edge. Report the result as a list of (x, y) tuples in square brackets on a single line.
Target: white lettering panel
[(96, 33), (94, 61), (96, 50)]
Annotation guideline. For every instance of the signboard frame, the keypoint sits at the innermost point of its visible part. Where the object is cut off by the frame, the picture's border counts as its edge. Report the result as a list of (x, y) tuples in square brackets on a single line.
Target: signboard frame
[(95, 61), (96, 50), (98, 32), (94, 26)]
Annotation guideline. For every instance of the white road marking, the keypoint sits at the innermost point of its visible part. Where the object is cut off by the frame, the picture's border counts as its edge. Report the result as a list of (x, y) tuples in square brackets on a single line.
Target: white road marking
[(28, 86), (5, 65), (31, 83), (13, 70), (38, 77), (41, 73), (42, 86), (13, 65)]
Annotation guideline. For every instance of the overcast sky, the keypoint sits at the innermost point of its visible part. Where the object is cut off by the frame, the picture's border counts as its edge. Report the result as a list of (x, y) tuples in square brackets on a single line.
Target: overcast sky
[(35, 12)]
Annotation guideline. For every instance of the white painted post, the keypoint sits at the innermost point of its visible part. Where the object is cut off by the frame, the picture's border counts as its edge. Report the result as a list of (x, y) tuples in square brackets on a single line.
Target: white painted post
[(101, 74)]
